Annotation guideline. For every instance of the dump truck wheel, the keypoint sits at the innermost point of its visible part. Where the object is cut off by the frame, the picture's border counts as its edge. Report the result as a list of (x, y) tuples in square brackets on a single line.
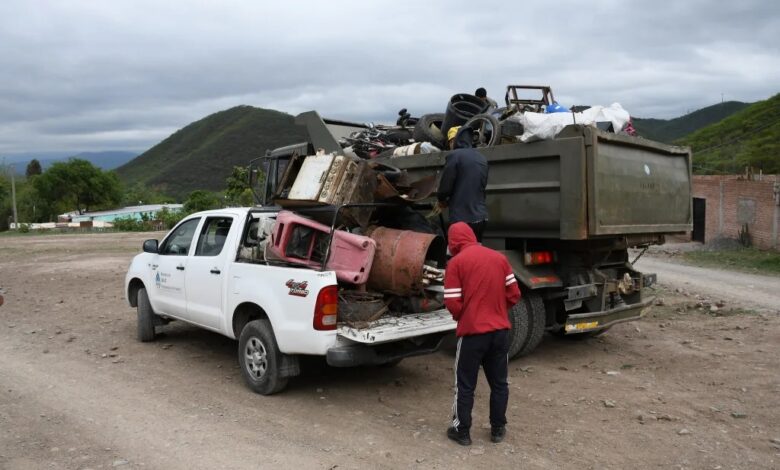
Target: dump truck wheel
[(528, 322), (259, 358), (538, 321), (428, 129), (146, 316)]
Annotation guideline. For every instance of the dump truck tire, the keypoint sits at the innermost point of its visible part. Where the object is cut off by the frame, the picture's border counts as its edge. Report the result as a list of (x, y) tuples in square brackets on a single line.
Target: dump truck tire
[(428, 129), (528, 321)]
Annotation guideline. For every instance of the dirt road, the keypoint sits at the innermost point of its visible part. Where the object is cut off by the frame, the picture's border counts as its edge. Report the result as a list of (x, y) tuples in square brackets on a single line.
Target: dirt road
[(750, 291), (679, 389)]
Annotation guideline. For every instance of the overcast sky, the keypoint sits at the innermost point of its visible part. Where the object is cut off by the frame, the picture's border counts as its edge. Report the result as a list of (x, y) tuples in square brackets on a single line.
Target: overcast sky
[(123, 75)]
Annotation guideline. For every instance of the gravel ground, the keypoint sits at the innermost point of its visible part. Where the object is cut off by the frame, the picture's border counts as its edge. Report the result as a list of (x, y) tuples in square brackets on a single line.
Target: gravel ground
[(687, 387)]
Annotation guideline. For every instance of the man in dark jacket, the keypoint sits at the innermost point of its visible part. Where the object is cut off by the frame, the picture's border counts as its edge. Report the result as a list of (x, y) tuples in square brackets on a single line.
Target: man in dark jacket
[(479, 288), (481, 93), (463, 182)]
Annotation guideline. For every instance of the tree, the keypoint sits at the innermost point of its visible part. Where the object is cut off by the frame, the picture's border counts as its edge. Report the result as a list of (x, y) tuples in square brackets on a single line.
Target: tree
[(5, 187), (201, 200), (77, 184), (238, 192), (33, 168), (5, 200), (140, 194)]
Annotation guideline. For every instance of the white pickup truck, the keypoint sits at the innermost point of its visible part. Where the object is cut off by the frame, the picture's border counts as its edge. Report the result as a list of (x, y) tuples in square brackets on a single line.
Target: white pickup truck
[(209, 271)]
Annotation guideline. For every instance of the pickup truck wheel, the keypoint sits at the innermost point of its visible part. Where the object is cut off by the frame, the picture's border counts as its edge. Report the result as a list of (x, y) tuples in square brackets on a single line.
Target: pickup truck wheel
[(146, 316), (259, 358), (528, 321)]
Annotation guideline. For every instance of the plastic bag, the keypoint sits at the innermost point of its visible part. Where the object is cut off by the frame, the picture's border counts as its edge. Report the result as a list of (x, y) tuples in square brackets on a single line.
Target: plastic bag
[(540, 126)]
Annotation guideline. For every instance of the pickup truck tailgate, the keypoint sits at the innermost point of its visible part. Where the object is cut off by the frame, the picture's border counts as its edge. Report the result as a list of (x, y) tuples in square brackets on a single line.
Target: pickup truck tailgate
[(390, 329)]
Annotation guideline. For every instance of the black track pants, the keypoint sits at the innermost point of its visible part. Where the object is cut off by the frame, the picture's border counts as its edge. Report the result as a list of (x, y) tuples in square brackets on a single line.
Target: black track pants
[(490, 351)]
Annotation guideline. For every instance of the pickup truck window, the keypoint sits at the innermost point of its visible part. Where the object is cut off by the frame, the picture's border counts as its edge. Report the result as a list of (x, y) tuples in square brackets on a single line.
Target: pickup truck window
[(178, 243), (213, 236)]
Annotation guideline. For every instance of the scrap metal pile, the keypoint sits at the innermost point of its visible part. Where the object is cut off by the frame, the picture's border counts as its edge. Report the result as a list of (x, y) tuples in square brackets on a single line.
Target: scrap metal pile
[(356, 218), (523, 119), (351, 214)]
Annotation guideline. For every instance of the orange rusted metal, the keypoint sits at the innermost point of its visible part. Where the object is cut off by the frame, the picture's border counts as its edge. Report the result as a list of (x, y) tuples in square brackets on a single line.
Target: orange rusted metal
[(399, 259)]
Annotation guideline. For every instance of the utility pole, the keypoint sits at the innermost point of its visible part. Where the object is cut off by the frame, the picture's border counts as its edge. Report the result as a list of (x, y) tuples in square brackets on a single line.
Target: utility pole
[(13, 196)]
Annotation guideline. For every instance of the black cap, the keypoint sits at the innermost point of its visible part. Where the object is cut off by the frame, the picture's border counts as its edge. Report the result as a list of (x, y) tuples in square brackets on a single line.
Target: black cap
[(481, 93)]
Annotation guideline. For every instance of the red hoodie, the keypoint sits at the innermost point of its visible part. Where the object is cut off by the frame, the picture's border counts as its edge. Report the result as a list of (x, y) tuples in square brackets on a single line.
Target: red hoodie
[(479, 285)]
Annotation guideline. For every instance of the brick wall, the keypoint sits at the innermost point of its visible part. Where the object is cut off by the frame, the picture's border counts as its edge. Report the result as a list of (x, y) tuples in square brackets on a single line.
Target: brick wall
[(733, 201)]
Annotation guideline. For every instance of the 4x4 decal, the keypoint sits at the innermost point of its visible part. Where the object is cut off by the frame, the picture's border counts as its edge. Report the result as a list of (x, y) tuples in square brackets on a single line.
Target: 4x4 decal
[(298, 289)]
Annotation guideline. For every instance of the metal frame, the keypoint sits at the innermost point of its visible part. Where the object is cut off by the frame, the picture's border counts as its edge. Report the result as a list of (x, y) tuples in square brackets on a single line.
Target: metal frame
[(512, 97)]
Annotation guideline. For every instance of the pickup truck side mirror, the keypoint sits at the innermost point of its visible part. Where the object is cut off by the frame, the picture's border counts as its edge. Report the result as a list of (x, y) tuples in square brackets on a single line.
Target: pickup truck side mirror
[(150, 246)]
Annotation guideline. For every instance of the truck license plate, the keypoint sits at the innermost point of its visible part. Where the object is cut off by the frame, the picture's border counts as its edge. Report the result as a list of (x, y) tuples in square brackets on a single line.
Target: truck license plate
[(582, 326)]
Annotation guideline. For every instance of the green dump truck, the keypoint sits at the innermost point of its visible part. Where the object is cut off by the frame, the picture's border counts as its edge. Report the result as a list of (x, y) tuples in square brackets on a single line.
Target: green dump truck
[(565, 212)]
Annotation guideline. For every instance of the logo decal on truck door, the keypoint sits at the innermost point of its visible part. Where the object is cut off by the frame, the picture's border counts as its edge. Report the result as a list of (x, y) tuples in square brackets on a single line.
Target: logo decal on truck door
[(298, 289)]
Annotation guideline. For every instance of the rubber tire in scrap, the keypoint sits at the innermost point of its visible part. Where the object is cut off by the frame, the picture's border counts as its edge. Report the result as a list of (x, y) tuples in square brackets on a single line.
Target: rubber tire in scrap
[(478, 121), (258, 334), (424, 133), (146, 316), (511, 128), (528, 320)]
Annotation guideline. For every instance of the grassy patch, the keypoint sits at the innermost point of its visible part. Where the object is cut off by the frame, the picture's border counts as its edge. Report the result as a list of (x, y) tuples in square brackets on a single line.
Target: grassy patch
[(746, 259)]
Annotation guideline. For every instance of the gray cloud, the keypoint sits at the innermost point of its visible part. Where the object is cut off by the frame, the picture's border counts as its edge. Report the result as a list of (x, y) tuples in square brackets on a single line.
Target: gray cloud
[(125, 74)]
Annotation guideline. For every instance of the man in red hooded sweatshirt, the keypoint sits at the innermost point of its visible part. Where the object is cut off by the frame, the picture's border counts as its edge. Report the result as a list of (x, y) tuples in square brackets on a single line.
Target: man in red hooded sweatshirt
[(479, 289)]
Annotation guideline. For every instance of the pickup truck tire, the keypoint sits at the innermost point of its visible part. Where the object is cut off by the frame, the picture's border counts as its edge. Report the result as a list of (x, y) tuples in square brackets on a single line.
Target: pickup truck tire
[(428, 129), (259, 358), (146, 316), (528, 321)]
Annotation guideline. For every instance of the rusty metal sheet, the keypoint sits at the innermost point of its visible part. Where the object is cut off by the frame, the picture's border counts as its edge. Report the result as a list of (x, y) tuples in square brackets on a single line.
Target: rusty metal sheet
[(416, 191)]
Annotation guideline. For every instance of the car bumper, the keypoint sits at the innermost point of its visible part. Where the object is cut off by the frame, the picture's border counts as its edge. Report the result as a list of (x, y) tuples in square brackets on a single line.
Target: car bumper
[(594, 321), (358, 354)]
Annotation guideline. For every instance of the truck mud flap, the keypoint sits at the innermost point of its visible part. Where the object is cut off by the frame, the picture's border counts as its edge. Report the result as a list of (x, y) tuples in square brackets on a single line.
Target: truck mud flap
[(592, 321)]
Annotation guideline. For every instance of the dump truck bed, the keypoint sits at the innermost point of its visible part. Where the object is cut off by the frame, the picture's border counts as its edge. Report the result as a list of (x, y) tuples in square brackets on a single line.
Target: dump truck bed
[(585, 183)]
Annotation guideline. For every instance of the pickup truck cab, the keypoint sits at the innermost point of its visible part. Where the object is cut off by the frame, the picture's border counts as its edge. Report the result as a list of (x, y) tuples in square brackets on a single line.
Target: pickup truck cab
[(211, 271)]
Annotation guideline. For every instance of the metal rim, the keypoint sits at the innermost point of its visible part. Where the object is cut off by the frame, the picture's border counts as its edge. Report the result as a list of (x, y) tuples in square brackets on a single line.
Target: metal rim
[(255, 358)]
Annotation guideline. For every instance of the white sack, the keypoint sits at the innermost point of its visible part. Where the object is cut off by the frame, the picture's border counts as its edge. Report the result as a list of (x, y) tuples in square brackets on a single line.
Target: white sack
[(540, 126)]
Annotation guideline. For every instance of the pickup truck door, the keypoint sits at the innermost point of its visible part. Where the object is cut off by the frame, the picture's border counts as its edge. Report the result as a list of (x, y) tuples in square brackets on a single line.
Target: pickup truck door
[(168, 293), (206, 271)]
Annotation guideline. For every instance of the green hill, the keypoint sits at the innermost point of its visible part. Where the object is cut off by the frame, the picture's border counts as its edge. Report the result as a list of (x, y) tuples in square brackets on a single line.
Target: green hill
[(750, 137), (202, 154), (669, 130)]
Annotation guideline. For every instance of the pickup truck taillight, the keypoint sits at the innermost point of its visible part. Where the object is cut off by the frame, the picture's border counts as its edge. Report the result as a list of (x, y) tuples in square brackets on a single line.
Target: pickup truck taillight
[(538, 257), (327, 308)]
